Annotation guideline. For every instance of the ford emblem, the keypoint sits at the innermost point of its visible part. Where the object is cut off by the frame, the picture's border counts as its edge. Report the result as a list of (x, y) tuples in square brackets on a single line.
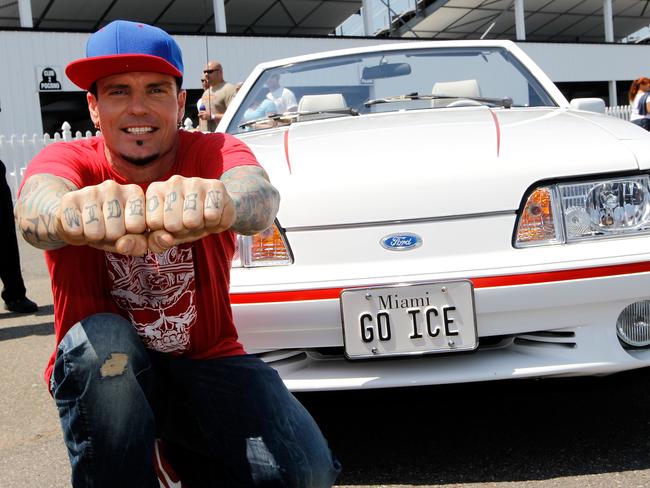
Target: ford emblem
[(401, 242)]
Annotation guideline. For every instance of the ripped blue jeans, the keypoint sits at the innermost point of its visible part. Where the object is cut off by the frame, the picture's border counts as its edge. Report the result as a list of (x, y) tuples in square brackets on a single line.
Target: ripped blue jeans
[(227, 422)]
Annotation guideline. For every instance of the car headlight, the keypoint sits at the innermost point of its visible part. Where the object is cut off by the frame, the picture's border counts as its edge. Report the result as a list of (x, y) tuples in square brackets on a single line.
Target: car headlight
[(268, 248), (568, 212)]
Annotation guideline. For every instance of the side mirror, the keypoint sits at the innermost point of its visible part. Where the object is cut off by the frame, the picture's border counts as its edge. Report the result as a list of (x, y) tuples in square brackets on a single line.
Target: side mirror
[(588, 104)]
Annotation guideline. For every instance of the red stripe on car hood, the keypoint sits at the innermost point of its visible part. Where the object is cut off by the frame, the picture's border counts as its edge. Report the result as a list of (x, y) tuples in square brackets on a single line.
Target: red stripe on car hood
[(498, 128), (482, 282), (286, 149)]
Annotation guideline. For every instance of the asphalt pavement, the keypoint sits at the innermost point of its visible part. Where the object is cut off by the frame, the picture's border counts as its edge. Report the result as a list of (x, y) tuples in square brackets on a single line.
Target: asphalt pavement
[(32, 453)]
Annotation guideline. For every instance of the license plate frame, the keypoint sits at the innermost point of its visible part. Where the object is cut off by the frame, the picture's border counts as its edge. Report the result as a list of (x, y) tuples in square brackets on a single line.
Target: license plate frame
[(408, 319)]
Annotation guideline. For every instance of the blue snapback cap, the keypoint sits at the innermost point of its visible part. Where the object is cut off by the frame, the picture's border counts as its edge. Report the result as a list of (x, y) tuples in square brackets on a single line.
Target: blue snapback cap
[(122, 47)]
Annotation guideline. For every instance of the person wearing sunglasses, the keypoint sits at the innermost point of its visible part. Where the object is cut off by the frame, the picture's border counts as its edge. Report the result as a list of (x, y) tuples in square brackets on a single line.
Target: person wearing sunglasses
[(216, 96), (199, 103)]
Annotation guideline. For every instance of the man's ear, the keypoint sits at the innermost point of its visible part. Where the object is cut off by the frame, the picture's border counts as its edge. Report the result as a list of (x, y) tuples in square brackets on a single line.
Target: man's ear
[(182, 97), (92, 108)]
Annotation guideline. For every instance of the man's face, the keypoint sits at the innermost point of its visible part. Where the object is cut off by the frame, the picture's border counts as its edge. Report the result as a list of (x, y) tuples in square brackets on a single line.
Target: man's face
[(213, 73), (273, 82), (138, 114)]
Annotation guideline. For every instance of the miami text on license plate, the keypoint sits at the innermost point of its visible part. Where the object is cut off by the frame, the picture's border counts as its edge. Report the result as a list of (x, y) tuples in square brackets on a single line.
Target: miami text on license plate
[(405, 320)]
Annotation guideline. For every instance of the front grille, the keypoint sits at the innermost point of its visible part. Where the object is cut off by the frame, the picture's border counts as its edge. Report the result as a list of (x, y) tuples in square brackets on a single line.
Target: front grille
[(282, 356), (547, 338)]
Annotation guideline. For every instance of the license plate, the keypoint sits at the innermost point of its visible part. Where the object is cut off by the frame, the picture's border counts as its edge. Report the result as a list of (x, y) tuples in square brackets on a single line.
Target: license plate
[(404, 320)]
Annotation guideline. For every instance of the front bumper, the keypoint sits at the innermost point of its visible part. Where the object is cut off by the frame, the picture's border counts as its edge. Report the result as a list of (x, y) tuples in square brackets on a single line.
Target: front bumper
[(540, 325)]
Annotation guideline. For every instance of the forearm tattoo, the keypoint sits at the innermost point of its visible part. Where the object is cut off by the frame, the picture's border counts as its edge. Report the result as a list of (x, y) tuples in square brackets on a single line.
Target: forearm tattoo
[(37, 208), (256, 200)]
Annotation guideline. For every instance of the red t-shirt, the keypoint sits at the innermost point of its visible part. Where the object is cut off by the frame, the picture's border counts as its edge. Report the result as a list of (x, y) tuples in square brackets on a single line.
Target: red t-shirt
[(178, 301)]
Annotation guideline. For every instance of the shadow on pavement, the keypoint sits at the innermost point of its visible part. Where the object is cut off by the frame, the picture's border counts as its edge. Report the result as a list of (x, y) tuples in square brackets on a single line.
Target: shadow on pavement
[(488, 432), (16, 332), (42, 310)]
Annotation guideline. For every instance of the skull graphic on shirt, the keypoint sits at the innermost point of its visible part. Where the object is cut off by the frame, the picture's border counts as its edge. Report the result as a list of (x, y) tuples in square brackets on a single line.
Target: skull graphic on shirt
[(157, 291)]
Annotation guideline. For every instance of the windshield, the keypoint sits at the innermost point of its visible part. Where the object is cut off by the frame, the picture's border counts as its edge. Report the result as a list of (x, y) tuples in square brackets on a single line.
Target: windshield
[(413, 79)]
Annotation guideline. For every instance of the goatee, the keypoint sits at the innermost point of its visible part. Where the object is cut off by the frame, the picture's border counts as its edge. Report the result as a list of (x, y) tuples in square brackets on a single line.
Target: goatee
[(140, 161)]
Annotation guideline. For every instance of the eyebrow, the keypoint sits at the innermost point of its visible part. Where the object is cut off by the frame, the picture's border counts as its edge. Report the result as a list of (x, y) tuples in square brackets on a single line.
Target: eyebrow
[(122, 86)]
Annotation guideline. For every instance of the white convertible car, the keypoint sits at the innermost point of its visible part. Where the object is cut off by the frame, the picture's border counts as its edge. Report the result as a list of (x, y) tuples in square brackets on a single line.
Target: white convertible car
[(447, 216)]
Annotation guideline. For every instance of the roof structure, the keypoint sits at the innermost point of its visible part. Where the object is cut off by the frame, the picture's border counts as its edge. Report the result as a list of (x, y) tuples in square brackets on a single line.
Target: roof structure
[(269, 17), (545, 20)]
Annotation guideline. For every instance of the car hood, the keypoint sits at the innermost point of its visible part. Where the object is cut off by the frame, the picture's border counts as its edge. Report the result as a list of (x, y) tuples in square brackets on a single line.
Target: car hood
[(434, 163)]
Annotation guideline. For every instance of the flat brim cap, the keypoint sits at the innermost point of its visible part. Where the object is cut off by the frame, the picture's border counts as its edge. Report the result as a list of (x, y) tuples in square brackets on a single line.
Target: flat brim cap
[(124, 47)]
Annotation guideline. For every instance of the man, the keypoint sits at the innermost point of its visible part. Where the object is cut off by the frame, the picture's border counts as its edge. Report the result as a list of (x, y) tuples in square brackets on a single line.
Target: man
[(216, 97), (283, 98), (138, 230), (200, 106), (13, 291)]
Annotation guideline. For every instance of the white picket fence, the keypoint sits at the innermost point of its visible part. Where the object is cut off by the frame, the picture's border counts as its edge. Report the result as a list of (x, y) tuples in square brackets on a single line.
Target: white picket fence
[(17, 151), (621, 111)]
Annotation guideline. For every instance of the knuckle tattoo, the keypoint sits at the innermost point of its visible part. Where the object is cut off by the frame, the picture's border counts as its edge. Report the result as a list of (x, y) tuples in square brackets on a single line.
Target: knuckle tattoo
[(191, 201), (72, 217), (136, 207), (114, 209), (170, 199), (152, 203), (90, 211), (213, 199)]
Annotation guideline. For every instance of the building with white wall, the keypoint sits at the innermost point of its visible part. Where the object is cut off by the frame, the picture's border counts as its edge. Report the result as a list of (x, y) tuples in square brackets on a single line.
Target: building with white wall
[(24, 90), (35, 95)]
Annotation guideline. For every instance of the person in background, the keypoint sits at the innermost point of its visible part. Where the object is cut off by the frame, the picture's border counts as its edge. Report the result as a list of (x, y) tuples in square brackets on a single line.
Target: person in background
[(283, 98), (639, 103), (216, 97), (258, 112), (259, 108), (200, 106), (13, 292), (139, 229)]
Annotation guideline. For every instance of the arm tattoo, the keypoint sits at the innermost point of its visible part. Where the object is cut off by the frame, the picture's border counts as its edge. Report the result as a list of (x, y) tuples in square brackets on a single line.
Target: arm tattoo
[(32, 233), (256, 200), (37, 209)]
